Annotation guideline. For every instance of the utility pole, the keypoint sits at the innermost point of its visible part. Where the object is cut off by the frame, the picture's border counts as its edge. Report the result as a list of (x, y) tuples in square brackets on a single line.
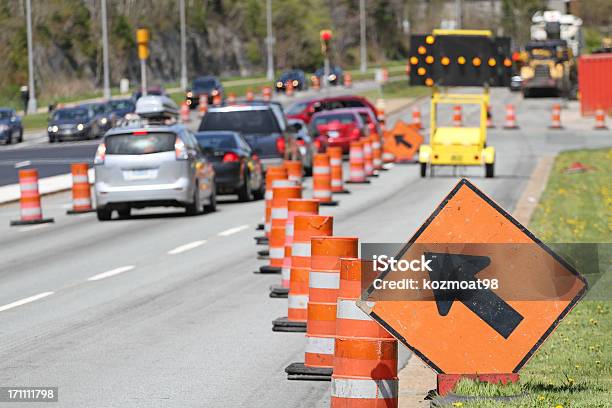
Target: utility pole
[(106, 74), (32, 91), (459, 13), (269, 40), (183, 46), (363, 49)]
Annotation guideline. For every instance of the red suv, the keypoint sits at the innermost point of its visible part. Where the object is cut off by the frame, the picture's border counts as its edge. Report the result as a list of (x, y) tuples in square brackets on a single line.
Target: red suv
[(338, 127), (305, 109)]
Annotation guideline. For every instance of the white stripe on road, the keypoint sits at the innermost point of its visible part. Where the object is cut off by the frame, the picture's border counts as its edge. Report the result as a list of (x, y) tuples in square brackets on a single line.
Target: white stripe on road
[(34, 227), (110, 273), (234, 230), (25, 301), (22, 164), (186, 247)]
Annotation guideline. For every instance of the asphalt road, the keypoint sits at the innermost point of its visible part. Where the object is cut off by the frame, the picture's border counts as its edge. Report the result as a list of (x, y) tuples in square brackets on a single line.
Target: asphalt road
[(163, 310), (53, 159)]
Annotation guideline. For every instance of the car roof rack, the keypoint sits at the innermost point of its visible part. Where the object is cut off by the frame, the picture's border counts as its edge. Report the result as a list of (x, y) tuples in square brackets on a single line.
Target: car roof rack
[(156, 107)]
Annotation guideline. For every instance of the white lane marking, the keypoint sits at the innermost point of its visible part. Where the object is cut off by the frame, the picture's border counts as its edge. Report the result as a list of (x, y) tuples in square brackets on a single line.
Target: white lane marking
[(25, 301), (22, 164), (112, 272), (232, 231), (34, 227), (186, 247)]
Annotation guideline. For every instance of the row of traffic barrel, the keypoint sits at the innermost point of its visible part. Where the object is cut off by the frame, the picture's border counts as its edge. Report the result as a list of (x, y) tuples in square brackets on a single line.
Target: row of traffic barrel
[(30, 208), (321, 278)]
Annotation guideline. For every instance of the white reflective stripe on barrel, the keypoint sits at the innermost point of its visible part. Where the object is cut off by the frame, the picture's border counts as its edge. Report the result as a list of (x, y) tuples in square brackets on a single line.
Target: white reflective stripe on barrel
[(283, 183), (268, 195), (28, 186), (300, 249), (376, 145), (279, 213), (277, 253), (336, 183), (297, 301), (286, 273), (321, 193), (324, 280), (320, 170), (28, 212), (365, 389), (335, 162), (347, 309), (80, 179), (81, 201), (288, 230), (320, 345), (356, 155), (357, 174)]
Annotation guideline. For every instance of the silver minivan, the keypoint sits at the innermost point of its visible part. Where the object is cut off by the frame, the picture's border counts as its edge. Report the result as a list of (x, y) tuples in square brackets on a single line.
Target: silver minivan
[(150, 166)]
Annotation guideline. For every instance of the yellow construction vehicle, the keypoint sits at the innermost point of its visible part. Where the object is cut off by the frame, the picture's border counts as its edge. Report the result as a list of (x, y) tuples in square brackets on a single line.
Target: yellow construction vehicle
[(458, 146)]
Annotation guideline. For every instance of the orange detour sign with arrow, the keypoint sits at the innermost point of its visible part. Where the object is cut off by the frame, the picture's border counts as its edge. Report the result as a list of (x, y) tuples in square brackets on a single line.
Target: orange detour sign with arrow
[(486, 295), (403, 141)]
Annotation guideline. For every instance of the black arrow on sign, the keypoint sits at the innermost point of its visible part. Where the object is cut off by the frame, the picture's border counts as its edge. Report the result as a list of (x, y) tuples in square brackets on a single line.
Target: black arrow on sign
[(483, 302), (399, 139)]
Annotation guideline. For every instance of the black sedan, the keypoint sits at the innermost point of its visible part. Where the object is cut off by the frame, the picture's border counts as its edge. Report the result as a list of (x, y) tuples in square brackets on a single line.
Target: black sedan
[(102, 117), (206, 85), (11, 129), (71, 123), (336, 75), (120, 107), (296, 77), (237, 167)]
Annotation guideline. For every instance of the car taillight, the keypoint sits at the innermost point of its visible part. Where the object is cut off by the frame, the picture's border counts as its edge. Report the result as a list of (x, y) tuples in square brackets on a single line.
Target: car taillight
[(301, 142), (230, 157), (317, 144), (179, 149), (355, 134), (280, 144), (100, 154)]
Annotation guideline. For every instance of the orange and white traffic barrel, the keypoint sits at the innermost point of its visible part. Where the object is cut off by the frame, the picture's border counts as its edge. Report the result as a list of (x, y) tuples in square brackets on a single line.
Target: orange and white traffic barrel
[(203, 105), (267, 93), (385, 75), (556, 117), (457, 116), (600, 120), (380, 109), (185, 114), (510, 122), (376, 151), (365, 354), (316, 84), (335, 163), (323, 285), (250, 96), (295, 207), (289, 88), (278, 220), (29, 201), (81, 190), (321, 179), (368, 165), (304, 228), (217, 99), (276, 176), (356, 164), (231, 98), (294, 170), (348, 80), (416, 117)]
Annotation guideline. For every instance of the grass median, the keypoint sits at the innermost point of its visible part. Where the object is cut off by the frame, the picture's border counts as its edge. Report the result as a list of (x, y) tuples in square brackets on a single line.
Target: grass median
[(574, 367)]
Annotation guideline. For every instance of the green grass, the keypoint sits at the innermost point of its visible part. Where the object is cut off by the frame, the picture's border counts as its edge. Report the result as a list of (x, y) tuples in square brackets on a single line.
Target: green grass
[(36, 121), (574, 367)]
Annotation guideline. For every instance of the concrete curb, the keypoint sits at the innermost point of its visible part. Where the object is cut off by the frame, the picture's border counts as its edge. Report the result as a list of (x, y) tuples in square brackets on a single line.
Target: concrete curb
[(46, 185)]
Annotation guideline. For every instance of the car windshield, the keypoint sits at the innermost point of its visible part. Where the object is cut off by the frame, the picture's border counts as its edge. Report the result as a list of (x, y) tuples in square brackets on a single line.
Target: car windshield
[(297, 108), (70, 114), (344, 118), (122, 105), (217, 141), (290, 75), (4, 114), (136, 144), (204, 83), (247, 121)]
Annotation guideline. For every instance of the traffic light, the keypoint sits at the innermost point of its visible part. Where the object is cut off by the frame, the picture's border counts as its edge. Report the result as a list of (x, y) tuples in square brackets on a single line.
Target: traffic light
[(142, 39), (326, 36)]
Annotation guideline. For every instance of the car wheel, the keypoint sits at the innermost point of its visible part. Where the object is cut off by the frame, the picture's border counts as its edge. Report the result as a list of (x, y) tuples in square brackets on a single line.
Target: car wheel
[(423, 169), (489, 170), (125, 212), (9, 139), (212, 205), (245, 193), (21, 136), (261, 191), (51, 140), (104, 214), (194, 207)]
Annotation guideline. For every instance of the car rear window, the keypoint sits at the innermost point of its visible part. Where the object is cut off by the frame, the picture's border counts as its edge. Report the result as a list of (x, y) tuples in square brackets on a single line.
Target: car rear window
[(217, 142), (140, 144), (343, 118), (297, 108), (247, 121)]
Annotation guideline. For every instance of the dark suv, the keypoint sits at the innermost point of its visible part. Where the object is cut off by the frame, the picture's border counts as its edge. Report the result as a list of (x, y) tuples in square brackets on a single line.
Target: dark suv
[(263, 126), (206, 85)]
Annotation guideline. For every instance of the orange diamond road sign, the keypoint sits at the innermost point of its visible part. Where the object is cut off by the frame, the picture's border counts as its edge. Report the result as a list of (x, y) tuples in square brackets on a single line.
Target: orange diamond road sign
[(489, 330), (403, 141)]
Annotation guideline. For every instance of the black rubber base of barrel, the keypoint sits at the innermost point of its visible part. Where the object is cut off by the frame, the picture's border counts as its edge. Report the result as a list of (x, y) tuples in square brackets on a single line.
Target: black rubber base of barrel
[(267, 269), (31, 222), (73, 212), (329, 203), (278, 292), (263, 252), (262, 240), (259, 227), (358, 182), (341, 192), (298, 371), (283, 324)]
